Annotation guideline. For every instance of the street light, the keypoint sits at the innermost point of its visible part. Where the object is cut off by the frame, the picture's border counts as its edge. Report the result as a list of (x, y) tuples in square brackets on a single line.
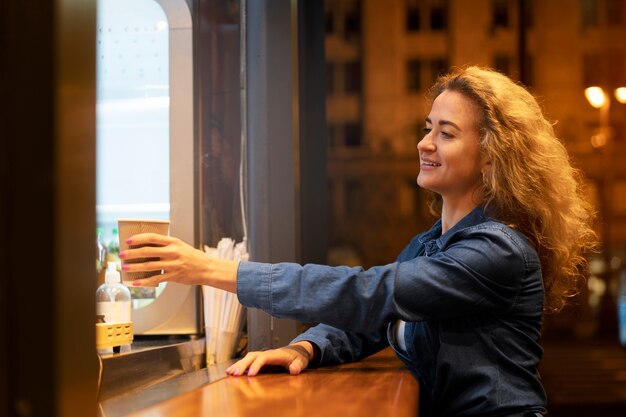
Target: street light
[(599, 99), (596, 97), (602, 140)]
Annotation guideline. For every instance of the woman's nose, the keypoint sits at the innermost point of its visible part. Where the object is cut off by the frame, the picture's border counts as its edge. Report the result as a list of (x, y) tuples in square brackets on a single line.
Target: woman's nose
[(425, 144)]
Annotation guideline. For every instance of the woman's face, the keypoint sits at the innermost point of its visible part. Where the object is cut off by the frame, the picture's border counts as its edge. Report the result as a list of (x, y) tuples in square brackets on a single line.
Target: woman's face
[(450, 158)]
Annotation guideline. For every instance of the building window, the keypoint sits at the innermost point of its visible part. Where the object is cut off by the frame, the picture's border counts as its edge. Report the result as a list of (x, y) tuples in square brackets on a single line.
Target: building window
[(502, 63), (413, 73), (330, 78), (431, 70), (589, 13), (436, 11), (438, 67), (329, 22), (352, 77), (343, 18), (352, 135), (604, 70), (344, 135), (331, 135), (615, 12), (354, 197), (500, 14), (352, 22), (439, 15), (412, 16)]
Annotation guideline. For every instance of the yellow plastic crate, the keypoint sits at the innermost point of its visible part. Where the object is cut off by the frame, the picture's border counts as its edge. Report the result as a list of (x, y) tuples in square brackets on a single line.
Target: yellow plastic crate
[(113, 334)]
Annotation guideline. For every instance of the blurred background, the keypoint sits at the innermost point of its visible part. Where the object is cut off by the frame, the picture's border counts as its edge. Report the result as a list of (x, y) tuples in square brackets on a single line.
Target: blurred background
[(382, 56), (353, 139)]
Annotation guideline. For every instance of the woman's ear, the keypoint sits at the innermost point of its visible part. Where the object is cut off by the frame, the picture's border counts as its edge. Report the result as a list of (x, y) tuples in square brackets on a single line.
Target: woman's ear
[(486, 165)]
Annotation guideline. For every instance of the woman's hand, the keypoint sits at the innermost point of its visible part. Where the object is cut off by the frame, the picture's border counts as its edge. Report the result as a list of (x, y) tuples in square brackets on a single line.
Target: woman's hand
[(294, 357), (179, 261)]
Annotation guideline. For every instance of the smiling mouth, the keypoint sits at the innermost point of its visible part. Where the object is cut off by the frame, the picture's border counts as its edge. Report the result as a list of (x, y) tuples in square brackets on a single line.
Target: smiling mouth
[(430, 164)]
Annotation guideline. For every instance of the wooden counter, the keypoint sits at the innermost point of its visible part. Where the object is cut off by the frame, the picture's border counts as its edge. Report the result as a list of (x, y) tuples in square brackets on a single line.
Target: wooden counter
[(377, 386)]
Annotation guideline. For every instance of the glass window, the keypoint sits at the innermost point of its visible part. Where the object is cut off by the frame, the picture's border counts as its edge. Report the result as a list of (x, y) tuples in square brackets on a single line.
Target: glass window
[(500, 13), (413, 70), (589, 13), (438, 67), (352, 21), (439, 15), (615, 12), (412, 16), (352, 74), (354, 197), (332, 138), (502, 63), (132, 113), (330, 78), (329, 22), (352, 135), (132, 116)]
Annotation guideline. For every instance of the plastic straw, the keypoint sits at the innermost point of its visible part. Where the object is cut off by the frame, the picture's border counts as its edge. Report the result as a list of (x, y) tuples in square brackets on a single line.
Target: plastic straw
[(222, 312)]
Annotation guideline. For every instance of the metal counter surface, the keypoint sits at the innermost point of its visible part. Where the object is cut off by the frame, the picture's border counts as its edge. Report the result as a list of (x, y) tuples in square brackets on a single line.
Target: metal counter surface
[(151, 371)]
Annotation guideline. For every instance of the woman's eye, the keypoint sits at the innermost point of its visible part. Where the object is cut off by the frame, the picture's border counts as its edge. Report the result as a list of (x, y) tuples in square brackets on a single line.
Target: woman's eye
[(427, 130), (446, 135)]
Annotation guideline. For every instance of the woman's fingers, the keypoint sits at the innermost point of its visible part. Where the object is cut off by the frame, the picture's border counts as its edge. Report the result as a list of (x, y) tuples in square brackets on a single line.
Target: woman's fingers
[(242, 365), (294, 360), (148, 250), (297, 365), (150, 239), (259, 362), (153, 281)]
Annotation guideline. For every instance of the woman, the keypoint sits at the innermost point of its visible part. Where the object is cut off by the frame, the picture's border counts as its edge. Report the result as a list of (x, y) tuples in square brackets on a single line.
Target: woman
[(462, 305)]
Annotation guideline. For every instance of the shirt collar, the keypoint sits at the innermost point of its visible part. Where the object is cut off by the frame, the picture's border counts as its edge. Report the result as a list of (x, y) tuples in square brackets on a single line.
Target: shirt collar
[(474, 217)]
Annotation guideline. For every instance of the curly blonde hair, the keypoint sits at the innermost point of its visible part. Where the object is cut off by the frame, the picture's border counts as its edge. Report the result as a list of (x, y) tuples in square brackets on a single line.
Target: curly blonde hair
[(530, 184)]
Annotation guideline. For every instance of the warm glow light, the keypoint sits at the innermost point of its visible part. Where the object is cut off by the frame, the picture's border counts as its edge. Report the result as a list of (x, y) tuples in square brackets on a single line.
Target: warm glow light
[(595, 96), (598, 140), (620, 94)]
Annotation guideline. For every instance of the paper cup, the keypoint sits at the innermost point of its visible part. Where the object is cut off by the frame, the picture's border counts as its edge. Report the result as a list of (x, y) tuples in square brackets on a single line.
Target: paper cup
[(131, 227)]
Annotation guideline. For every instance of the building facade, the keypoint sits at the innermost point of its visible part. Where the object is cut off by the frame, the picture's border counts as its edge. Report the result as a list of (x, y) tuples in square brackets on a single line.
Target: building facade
[(381, 58)]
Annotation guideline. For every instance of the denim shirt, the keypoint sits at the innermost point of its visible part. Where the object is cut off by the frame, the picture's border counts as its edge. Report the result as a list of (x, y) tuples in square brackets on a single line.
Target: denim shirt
[(471, 298)]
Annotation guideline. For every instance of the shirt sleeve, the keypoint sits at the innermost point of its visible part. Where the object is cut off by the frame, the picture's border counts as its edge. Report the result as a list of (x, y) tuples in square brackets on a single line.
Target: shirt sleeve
[(337, 346), (481, 270)]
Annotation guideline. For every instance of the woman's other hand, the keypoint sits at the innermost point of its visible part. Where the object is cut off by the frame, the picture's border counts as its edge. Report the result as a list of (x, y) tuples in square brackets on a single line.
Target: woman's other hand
[(294, 358)]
